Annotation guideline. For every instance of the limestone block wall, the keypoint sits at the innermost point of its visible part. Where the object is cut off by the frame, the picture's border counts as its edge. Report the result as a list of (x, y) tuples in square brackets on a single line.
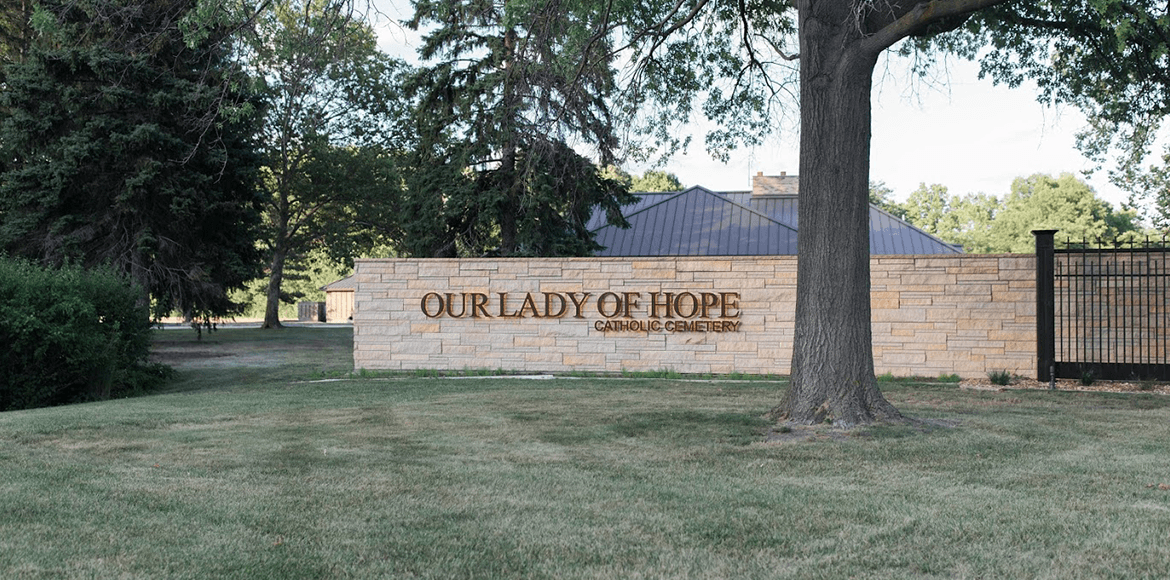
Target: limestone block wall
[(965, 314), (931, 314)]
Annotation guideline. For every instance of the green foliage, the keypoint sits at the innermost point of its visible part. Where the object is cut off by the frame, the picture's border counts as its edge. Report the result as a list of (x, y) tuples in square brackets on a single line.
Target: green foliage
[(1106, 57), (982, 223), (881, 195), (1062, 203), (127, 145), (332, 136), (654, 180), (732, 61), (303, 280), (964, 220), (1150, 191), (508, 90), (1002, 378), (1088, 377), (927, 206), (70, 335)]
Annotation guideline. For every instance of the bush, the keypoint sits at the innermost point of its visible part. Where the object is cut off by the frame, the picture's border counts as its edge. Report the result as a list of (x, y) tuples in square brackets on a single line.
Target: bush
[(69, 335), (1002, 378)]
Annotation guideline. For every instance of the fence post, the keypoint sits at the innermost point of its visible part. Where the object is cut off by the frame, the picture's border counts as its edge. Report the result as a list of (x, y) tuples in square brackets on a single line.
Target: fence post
[(1045, 305)]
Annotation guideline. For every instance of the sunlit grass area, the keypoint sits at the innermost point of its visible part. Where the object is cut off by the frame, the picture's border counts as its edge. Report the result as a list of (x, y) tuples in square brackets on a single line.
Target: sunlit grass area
[(272, 472)]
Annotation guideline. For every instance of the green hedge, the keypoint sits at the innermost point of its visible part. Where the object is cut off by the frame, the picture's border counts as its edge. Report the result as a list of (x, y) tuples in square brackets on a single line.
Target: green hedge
[(69, 335)]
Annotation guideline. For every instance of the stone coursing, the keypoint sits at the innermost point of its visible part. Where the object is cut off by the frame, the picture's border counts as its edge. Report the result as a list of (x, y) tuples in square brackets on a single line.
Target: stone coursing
[(932, 315)]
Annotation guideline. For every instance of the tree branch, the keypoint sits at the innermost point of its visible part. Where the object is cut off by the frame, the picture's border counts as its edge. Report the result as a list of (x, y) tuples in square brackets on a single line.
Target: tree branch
[(920, 16), (662, 34)]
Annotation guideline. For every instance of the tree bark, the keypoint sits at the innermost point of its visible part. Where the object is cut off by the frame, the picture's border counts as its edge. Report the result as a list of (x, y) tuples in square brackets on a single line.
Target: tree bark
[(275, 278), (832, 362)]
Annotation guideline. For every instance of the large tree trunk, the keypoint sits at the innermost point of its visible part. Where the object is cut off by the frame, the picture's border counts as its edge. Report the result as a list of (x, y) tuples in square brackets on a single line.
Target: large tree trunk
[(832, 362), (275, 278)]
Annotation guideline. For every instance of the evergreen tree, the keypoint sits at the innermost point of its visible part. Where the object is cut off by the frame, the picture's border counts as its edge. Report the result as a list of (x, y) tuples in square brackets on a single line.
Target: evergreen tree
[(126, 143), (510, 88)]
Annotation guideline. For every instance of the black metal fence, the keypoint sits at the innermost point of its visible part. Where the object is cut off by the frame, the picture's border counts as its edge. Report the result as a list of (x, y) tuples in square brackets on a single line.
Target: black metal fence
[(1103, 310)]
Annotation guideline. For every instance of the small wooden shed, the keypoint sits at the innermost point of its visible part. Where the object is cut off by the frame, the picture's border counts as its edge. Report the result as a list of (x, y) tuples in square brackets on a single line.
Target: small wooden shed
[(339, 300)]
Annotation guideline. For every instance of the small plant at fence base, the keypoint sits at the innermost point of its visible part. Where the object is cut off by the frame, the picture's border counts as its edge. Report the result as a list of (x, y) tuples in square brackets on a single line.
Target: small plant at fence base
[(1002, 378), (1088, 378)]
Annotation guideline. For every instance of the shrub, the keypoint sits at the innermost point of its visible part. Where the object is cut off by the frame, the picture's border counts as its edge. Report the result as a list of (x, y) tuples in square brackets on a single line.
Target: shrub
[(1001, 378), (70, 335)]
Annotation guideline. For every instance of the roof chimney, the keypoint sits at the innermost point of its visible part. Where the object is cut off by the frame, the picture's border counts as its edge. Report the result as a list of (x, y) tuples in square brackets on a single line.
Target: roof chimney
[(782, 184)]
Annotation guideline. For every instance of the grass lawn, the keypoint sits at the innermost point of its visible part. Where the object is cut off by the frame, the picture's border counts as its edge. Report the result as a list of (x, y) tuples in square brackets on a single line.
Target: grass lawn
[(254, 466)]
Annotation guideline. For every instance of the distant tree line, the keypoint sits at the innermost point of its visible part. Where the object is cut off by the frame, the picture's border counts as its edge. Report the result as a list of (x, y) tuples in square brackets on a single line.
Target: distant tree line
[(984, 223)]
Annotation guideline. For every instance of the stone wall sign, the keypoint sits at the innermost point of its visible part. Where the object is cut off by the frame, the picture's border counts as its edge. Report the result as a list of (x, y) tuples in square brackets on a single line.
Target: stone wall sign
[(611, 311)]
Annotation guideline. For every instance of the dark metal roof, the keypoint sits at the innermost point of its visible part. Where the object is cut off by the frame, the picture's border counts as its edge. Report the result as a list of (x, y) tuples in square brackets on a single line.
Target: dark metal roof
[(699, 222), (890, 235), (695, 222), (643, 201), (887, 234)]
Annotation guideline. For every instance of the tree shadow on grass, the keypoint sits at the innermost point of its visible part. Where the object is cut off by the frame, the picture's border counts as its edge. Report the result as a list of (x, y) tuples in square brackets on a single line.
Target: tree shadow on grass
[(797, 433)]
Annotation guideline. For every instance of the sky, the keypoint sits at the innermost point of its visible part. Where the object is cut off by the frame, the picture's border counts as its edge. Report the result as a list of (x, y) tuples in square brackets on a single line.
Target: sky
[(967, 134), (964, 133)]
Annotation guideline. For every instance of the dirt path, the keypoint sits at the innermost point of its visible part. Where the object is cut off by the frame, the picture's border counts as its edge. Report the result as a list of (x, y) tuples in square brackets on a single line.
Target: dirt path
[(254, 348)]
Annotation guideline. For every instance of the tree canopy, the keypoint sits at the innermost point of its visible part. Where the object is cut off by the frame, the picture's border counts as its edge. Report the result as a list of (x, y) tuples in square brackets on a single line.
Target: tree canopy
[(129, 144), (1107, 57), (984, 223), (656, 180), (507, 92), (1065, 203), (330, 138)]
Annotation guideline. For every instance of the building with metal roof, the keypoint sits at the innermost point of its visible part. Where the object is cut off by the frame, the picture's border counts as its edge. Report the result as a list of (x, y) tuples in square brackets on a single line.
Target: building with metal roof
[(694, 222), (700, 222)]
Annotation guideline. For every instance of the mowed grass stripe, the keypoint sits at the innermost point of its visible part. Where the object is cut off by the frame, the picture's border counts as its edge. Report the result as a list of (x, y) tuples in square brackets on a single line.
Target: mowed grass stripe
[(586, 478)]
